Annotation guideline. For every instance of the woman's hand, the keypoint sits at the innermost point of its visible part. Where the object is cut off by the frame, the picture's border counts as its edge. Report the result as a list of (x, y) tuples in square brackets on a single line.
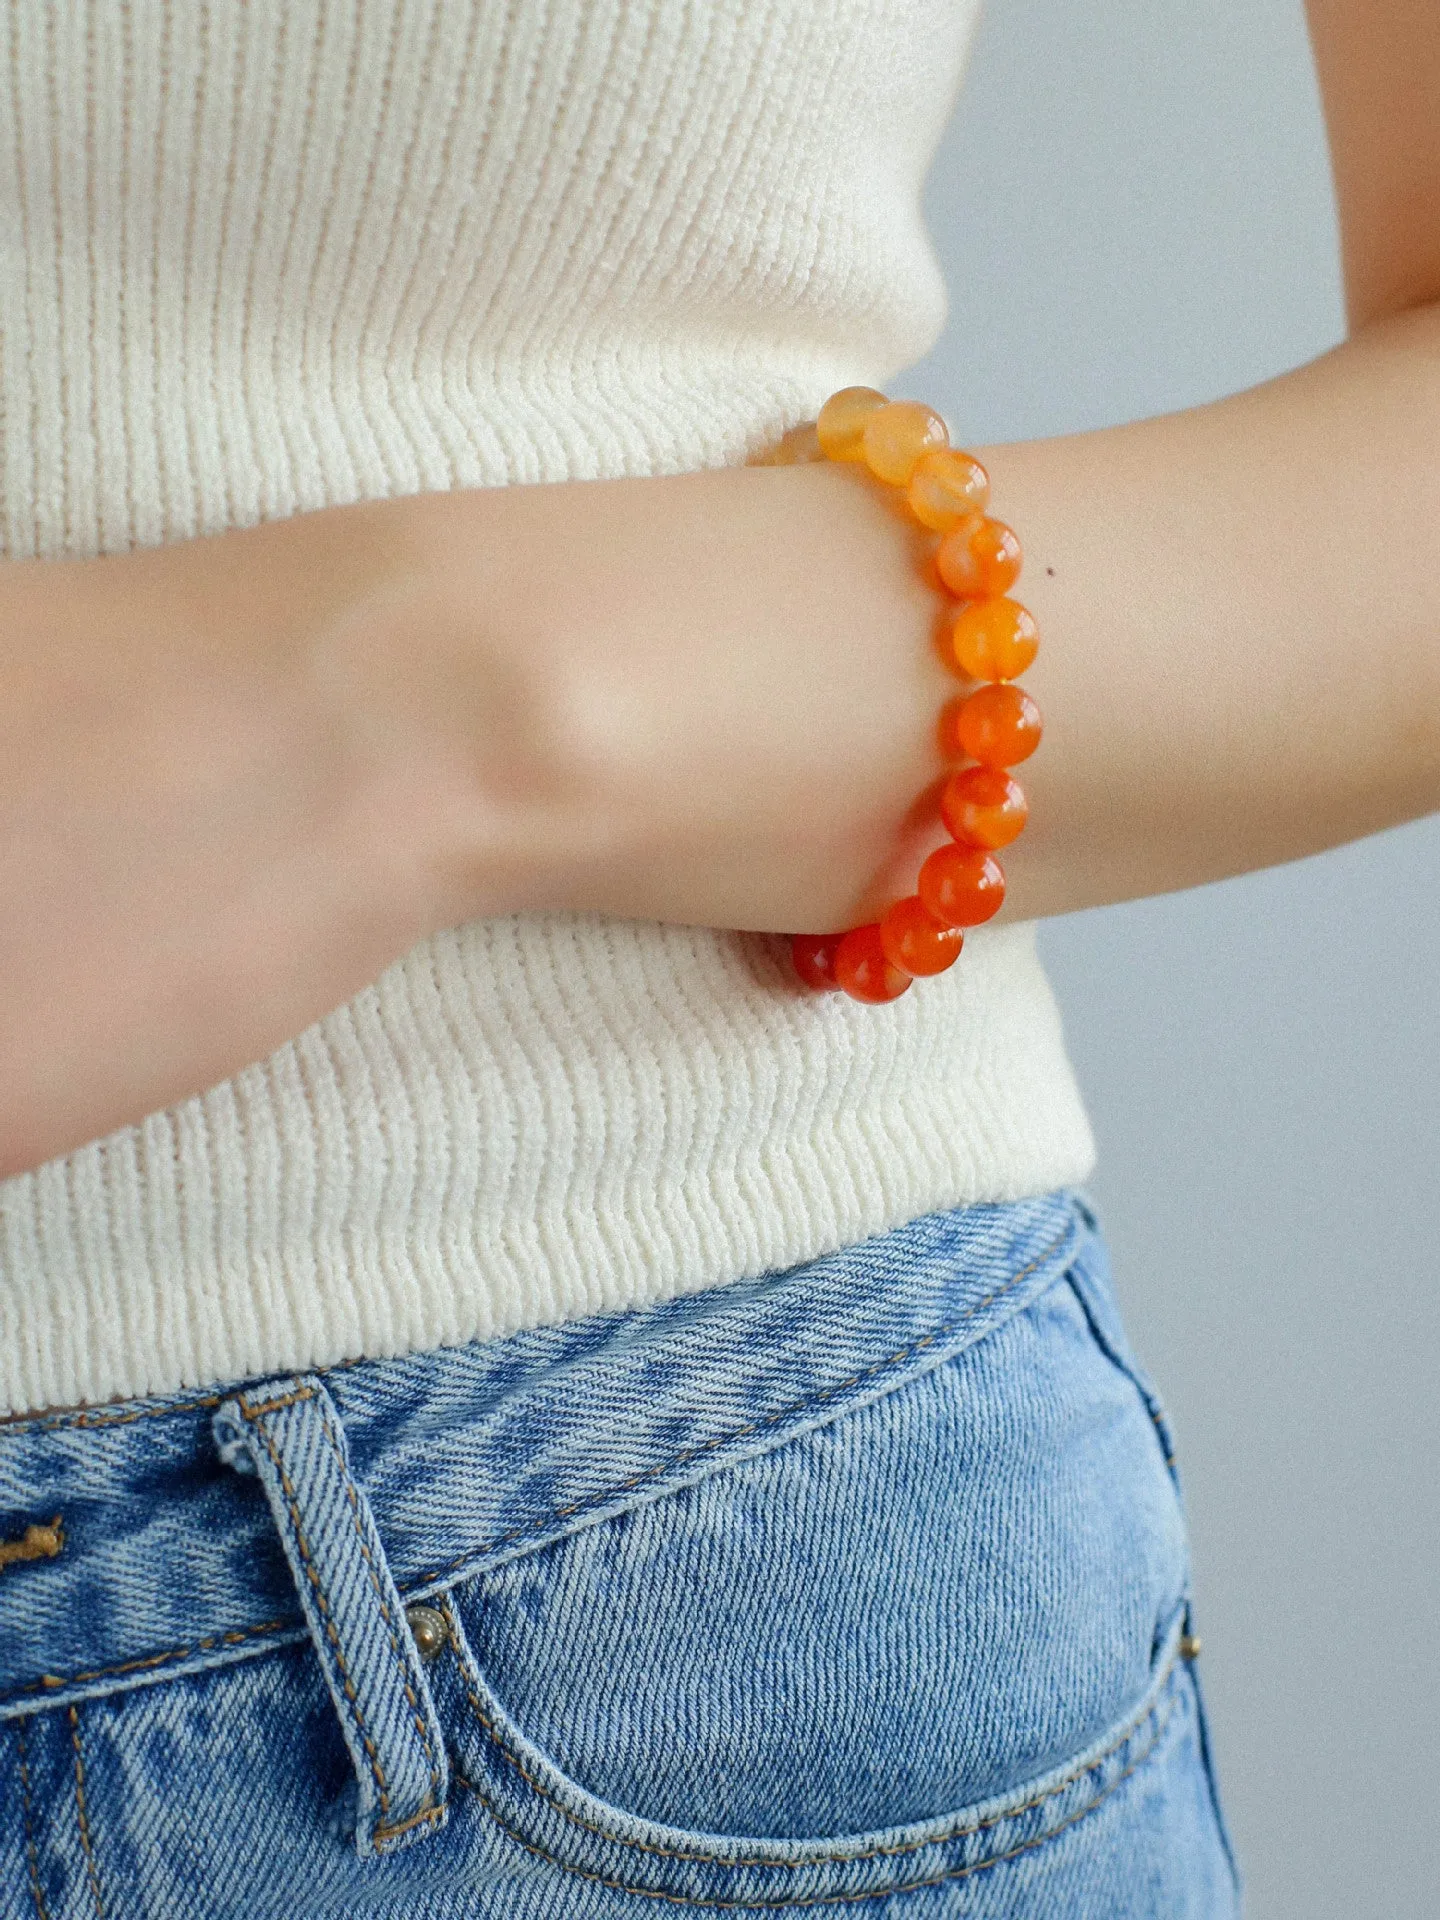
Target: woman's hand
[(195, 861)]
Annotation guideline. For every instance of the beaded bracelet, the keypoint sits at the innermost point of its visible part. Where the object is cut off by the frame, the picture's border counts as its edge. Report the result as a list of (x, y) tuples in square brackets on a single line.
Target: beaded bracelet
[(991, 638)]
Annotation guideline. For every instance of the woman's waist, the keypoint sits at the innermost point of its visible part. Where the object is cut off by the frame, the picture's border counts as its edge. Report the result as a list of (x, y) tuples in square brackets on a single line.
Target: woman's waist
[(522, 1122), (471, 1455)]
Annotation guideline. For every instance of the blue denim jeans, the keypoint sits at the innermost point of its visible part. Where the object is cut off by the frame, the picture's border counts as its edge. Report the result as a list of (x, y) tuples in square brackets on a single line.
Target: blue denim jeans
[(861, 1588)]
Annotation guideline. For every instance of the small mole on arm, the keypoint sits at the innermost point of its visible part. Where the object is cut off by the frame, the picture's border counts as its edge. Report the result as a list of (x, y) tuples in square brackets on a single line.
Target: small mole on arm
[(1051, 572)]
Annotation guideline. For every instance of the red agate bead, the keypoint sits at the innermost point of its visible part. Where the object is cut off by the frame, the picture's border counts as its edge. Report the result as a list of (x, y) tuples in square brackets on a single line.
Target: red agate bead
[(915, 941), (978, 557), (961, 886), (994, 639), (984, 807), (813, 957), (841, 424), (998, 725), (864, 970)]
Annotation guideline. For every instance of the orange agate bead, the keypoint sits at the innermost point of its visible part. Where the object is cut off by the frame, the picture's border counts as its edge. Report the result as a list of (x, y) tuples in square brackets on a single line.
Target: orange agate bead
[(842, 421), (914, 940), (813, 955), (984, 807), (998, 725), (897, 435), (979, 557), (864, 970), (961, 886), (946, 488), (994, 639)]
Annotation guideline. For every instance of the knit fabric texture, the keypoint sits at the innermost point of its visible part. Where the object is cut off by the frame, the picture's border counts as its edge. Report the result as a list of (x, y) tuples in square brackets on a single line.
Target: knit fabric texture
[(259, 259)]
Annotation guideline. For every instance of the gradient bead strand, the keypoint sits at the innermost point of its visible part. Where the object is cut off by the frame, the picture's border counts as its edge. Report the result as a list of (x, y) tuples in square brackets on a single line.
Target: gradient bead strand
[(978, 557), (984, 807), (991, 639), (813, 955), (961, 886), (798, 448)]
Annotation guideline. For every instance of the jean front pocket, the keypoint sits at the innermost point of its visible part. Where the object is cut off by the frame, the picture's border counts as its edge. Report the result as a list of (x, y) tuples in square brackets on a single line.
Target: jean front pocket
[(1118, 1820), (924, 1637)]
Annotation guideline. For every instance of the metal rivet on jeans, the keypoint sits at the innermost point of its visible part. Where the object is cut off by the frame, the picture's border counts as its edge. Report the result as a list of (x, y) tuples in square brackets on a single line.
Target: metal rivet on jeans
[(430, 1629)]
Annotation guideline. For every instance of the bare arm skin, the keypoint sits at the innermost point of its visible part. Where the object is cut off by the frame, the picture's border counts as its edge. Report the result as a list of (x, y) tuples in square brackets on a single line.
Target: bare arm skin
[(239, 776)]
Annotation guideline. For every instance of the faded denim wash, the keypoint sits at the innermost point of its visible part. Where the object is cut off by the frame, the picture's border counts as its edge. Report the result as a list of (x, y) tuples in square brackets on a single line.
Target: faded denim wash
[(861, 1588)]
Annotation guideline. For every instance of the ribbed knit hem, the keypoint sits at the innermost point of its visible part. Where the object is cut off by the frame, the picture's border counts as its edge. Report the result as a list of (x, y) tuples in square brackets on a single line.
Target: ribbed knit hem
[(524, 1121)]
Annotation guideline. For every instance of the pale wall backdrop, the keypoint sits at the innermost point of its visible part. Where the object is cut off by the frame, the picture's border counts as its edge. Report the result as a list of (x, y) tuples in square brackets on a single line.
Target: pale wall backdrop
[(1134, 211)]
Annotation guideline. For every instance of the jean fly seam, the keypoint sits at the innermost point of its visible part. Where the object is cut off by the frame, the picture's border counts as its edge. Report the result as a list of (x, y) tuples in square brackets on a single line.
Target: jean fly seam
[(691, 1454), (233, 1636), (84, 1821), (351, 1693), (421, 1729), (840, 1857), (32, 1858), (831, 1899)]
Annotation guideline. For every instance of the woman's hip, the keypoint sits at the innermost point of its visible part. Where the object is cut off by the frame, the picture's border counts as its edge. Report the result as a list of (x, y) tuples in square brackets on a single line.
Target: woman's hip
[(864, 1581)]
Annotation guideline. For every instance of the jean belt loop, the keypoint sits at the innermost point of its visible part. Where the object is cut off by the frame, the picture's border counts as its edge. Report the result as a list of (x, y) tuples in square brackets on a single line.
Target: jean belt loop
[(288, 1433)]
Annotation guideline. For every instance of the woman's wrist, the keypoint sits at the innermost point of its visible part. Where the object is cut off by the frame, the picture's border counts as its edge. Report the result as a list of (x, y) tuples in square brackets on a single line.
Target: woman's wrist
[(708, 697)]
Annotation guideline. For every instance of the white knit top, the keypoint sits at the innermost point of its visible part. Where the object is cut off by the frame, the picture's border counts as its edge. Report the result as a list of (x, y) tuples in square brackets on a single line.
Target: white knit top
[(260, 258)]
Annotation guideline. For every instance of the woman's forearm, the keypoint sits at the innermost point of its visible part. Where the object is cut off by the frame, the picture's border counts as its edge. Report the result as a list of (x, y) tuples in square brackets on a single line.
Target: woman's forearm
[(239, 776), (1240, 663), (1240, 607)]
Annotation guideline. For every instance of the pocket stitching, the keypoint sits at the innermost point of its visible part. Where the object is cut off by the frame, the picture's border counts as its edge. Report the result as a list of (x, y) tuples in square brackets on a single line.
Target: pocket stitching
[(232, 1637), (854, 1896), (960, 1829)]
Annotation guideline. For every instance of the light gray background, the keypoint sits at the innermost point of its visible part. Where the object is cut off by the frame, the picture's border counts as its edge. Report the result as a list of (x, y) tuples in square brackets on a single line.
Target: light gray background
[(1134, 212)]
